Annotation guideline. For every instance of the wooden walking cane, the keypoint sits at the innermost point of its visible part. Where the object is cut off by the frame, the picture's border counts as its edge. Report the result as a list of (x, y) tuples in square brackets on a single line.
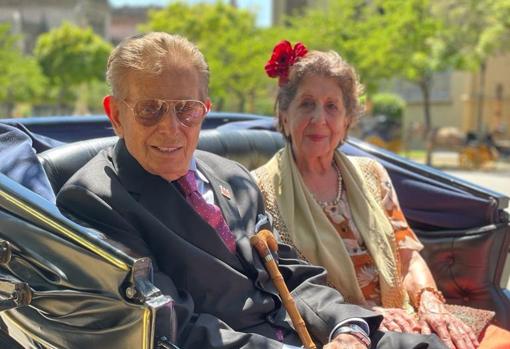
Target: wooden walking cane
[(264, 242)]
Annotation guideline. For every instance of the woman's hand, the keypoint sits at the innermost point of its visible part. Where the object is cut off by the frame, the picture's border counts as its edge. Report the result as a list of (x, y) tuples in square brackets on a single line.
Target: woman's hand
[(345, 341), (397, 320), (435, 318), (432, 314), (451, 330)]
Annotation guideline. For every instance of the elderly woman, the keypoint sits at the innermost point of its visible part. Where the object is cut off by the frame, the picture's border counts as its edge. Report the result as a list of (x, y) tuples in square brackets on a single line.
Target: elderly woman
[(342, 212)]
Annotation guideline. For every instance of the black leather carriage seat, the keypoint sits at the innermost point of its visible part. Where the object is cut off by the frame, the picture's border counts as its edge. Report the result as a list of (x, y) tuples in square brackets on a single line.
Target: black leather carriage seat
[(252, 148), (449, 254), (60, 163)]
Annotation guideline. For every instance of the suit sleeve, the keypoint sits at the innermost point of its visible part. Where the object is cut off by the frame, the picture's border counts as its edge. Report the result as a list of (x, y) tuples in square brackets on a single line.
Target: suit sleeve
[(321, 306), (195, 330)]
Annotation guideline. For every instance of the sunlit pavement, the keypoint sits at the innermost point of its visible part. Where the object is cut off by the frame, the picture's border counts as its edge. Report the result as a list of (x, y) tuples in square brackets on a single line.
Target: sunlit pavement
[(494, 175), (497, 180)]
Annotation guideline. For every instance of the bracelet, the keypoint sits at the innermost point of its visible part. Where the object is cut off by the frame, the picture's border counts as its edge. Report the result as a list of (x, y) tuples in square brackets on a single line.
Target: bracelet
[(435, 291), (356, 331)]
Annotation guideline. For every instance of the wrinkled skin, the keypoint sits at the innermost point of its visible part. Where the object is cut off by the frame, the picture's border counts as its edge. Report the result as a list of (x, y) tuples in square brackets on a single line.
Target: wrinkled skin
[(432, 318), (345, 341)]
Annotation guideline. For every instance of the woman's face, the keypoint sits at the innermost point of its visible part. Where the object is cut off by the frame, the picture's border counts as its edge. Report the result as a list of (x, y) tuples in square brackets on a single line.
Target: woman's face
[(316, 119)]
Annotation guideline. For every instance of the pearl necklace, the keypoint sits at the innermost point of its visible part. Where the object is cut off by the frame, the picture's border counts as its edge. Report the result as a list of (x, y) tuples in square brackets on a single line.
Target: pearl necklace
[(336, 201)]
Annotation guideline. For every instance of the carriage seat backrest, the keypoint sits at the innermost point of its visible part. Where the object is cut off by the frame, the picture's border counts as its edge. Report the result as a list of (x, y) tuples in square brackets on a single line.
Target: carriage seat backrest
[(448, 253), (251, 148)]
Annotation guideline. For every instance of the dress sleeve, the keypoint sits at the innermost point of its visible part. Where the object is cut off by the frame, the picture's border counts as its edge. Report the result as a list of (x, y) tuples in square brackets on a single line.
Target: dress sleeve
[(405, 236)]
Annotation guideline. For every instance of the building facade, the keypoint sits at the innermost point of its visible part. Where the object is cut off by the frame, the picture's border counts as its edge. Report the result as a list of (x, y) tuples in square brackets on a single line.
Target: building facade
[(125, 22), (459, 99), (282, 8), (30, 18)]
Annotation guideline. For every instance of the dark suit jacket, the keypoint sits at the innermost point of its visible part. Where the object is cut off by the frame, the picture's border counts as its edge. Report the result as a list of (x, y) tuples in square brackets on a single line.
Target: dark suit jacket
[(222, 300)]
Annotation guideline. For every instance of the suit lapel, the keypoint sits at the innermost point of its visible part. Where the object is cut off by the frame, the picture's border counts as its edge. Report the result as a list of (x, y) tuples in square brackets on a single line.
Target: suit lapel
[(225, 201), (228, 206), (167, 204)]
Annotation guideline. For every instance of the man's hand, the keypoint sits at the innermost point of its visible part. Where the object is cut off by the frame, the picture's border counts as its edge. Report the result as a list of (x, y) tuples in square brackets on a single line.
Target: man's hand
[(345, 341)]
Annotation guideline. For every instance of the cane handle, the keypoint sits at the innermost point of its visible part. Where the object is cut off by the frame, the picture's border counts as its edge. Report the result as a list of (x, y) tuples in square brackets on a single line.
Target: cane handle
[(263, 242)]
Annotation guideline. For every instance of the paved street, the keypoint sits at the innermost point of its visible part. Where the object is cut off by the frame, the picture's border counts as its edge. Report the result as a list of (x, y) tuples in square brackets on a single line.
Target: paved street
[(496, 176), (497, 180)]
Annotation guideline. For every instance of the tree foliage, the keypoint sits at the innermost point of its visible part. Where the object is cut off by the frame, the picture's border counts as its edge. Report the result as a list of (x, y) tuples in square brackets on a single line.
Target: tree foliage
[(69, 56), (382, 39), (363, 32), (235, 48), (21, 79), (411, 40), (477, 29), (421, 53), (388, 104)]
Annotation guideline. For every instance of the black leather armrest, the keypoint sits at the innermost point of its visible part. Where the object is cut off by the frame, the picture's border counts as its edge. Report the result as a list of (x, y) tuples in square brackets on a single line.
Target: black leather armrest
[(468, 265)]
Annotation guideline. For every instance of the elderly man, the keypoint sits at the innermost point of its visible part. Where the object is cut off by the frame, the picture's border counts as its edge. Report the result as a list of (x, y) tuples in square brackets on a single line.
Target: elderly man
[(193, 212)]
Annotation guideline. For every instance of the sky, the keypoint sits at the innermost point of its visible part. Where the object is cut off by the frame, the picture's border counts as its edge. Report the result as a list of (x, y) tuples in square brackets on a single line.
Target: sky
[(261, 7)]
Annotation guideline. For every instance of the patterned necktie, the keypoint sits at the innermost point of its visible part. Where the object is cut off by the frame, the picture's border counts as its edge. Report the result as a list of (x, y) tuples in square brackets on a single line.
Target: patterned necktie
[(209, 212)]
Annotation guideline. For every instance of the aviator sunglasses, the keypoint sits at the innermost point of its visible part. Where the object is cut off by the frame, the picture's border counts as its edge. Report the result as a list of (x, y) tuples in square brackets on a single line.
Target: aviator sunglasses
[(149, 112)]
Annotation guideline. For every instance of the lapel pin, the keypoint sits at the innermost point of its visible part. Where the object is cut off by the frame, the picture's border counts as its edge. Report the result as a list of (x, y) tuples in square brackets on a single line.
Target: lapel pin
[(225, 192)]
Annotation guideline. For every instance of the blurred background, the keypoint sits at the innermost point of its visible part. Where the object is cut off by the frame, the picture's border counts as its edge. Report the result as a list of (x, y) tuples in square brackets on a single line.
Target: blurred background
[(436, 72)]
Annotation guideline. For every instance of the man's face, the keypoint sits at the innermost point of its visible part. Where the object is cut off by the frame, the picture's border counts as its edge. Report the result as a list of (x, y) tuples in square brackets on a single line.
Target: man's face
[(165, 148)]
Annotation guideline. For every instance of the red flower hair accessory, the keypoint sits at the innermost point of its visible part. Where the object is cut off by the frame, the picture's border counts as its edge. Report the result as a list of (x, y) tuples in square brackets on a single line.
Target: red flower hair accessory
[(284, 57)]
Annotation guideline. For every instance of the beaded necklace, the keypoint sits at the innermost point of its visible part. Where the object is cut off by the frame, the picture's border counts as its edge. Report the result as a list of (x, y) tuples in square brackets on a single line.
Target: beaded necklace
[(326, 204)]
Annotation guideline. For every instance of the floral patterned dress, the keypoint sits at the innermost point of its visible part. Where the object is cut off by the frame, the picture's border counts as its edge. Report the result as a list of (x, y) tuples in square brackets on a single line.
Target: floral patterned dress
[(340, 217)]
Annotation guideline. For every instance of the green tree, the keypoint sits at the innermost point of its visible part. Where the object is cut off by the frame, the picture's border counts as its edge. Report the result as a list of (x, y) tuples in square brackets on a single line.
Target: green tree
[(420, 53), (235, 48), (70, 56), (21, 79), (390, 105), (361, 31), (478, 30), (382, 39), (431, 36)]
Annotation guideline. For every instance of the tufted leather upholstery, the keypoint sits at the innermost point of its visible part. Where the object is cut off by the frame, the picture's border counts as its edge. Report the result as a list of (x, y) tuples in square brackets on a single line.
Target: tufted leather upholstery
[(467, 264), (61, 162)]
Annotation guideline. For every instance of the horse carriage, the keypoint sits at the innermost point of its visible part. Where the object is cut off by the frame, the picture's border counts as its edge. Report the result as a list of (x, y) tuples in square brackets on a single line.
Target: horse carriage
[(64, 285)]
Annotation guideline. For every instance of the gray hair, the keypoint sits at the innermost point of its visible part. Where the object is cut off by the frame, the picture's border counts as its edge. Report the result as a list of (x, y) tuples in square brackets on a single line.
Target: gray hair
[(151, 54), (328, 64)]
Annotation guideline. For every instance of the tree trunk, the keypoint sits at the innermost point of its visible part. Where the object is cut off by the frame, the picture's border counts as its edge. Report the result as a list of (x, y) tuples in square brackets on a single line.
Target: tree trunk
[(242, 102), (480, 101), (251, 101), (9, 109), (60, 101), (9, 104), (220, 104), (428, 132)]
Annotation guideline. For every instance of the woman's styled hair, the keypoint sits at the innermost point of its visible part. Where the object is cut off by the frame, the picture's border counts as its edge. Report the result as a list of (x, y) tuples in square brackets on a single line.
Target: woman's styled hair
[(151, 54), (328, 64)]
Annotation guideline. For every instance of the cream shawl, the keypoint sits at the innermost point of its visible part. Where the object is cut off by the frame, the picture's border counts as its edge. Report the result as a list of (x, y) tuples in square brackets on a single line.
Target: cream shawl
[(315, 237)]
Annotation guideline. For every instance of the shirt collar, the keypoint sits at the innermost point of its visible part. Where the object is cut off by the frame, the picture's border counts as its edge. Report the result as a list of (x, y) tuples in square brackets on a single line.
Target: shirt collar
[(193, 167)]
